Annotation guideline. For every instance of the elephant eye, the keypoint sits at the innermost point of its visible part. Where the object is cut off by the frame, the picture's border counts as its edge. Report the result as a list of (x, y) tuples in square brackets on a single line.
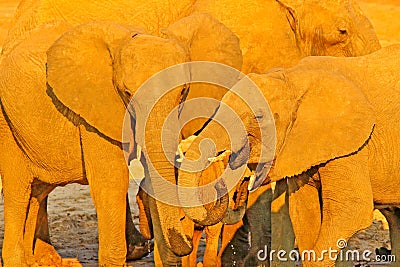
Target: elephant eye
[(342, 31), (261, 113), (259, 117)]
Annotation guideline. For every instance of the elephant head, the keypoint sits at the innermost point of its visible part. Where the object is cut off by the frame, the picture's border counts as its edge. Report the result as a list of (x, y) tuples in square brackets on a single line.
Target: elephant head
[(94, 70), (335, 28), (330, 116), (278, 33), (318, 116)]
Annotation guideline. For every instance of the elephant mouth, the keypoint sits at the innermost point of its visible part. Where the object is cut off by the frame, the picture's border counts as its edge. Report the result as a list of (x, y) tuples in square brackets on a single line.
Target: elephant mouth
[(241, 194), (261, 174), (235, 214)]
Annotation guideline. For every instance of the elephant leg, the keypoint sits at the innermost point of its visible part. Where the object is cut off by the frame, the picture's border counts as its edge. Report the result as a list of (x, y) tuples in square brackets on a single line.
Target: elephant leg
[(111, 223), (212, 237), (191, 259), (39, 195), (30, 225), (165, 257), (258, 217), (281, 226), (237, 248), (42, 225), (305, 210), (346, 194), (228, 232), (342, 262), (17, 192), (107, 175), (16, 183), (257, 221), (137, 246), (392, 216)]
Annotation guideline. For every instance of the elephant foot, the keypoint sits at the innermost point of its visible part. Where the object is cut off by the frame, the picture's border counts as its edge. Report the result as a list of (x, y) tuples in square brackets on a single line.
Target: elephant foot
[(138, 251), (15, 261), (46, 255)]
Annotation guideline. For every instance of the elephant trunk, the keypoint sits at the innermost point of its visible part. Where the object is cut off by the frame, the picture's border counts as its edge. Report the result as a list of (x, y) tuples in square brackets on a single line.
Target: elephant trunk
[(146, 225), (235, 214), (165, 212), (166, 215), (202, 211)]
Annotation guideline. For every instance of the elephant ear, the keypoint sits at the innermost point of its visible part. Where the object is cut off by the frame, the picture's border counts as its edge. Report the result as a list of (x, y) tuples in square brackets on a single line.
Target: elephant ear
[(332, 119), (80, 74), (206, 39)]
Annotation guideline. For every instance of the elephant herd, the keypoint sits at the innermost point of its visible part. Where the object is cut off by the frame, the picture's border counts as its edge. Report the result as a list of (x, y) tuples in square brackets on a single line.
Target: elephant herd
[(80, 98)]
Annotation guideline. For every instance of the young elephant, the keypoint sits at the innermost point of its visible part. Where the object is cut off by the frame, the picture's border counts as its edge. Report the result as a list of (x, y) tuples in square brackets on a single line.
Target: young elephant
[(337, 128)]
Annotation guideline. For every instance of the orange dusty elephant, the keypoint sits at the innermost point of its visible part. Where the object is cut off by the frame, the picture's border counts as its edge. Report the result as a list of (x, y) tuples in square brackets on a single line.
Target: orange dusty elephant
[(337, 149)]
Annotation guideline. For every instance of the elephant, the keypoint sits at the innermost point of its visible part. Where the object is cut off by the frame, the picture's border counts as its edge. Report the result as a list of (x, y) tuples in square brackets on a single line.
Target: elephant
[(281, 32), (337, 126), (273, 33), (55, 133), (284, 31)]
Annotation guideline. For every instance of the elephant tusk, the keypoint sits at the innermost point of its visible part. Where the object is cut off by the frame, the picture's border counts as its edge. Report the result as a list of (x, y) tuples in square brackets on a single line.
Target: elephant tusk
[(220, 157), (183, 147), (273, 185), (138, 152), (181, 155), (251, 182), (136, 170)]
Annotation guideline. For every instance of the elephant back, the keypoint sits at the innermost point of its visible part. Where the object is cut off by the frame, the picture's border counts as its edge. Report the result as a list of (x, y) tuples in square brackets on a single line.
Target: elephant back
[(153, 15)]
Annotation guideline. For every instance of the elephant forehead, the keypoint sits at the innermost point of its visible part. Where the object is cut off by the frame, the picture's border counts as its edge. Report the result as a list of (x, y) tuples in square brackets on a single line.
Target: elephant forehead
[(143, 56), (207, 39)]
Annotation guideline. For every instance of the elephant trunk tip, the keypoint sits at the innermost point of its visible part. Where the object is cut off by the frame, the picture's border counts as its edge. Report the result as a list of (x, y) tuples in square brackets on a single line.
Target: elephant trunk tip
[(179, 246), (215, 214)]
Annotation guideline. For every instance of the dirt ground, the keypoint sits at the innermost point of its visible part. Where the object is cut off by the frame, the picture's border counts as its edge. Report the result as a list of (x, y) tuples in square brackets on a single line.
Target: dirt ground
[(71, 211)]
